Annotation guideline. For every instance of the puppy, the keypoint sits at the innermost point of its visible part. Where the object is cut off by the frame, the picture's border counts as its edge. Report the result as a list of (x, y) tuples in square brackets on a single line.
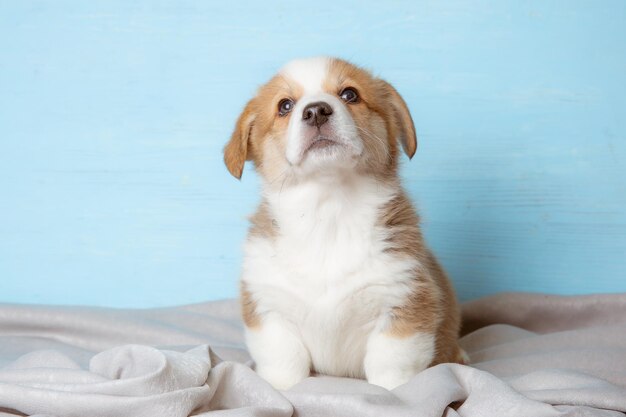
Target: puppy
[(336, 276)]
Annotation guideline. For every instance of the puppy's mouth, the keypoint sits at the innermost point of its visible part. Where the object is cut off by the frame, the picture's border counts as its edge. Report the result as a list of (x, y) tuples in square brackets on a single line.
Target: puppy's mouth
[(321, 142)]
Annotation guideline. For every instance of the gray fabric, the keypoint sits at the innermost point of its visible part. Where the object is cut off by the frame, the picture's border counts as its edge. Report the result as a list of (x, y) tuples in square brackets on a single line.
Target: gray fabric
[(533, 355)]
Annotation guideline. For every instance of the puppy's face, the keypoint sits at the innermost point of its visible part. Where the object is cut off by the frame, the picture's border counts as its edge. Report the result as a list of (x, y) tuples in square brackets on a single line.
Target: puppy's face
[(321, 117)]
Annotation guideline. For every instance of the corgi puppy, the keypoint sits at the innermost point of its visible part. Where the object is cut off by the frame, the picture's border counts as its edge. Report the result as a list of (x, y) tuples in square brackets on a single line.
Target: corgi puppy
[(336, 276)]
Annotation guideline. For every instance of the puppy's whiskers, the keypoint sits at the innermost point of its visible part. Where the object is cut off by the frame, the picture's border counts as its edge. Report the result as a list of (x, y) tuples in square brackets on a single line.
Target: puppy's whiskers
[(383, 147)]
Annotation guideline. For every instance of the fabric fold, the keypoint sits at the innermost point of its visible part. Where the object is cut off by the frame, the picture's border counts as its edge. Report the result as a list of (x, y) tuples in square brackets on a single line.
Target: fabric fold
[(532, 355)]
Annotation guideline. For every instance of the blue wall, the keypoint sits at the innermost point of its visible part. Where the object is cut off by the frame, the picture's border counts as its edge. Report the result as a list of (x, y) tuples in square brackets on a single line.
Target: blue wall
[(113, 115)]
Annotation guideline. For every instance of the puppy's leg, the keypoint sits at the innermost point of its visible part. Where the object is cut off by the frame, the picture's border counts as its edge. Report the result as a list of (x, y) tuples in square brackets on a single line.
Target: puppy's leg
[(405, 341), (280, 356), (392, 360)]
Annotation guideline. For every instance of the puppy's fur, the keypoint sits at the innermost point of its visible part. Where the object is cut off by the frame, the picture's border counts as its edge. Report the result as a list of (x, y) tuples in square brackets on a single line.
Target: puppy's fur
[(337, 278)]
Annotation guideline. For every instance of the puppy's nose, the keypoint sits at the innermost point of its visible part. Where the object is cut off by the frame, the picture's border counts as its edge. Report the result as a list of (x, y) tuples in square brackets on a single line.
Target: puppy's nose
[(316, 114)]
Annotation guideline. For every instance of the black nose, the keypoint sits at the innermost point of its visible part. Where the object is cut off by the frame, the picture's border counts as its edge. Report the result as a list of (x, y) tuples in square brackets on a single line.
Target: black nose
[(316, 114)]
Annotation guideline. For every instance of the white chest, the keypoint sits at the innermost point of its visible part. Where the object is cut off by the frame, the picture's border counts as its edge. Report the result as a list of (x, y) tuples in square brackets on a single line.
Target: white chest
[(327, 271)]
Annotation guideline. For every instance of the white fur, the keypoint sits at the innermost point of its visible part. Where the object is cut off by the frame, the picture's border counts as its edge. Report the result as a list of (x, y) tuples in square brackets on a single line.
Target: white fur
[(327, 273), (310, 73), (391, 361)]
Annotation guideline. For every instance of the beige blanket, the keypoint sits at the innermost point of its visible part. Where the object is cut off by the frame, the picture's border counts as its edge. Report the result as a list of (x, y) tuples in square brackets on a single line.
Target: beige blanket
[(532, 356)]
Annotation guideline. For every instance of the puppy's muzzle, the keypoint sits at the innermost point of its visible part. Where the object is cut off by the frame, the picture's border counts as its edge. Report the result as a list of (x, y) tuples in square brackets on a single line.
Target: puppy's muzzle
[(316, 114)]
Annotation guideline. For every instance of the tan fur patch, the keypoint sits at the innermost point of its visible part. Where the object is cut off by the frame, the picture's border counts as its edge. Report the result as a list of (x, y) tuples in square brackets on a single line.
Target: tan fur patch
[(400, 219), (258, 124), (236, 150), (248, 308), (261, 225), (420, 313), (261, 222), (381, 116), (431, 306)]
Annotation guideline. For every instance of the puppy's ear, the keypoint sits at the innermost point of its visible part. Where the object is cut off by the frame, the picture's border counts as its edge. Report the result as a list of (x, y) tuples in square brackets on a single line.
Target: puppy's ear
[(403, 120), (236, 150)]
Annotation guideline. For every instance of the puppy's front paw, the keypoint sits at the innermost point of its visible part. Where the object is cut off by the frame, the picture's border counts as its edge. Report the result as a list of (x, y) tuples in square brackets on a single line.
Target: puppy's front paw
[(392, 361), (283, 378), (280, 356), (389, 379)]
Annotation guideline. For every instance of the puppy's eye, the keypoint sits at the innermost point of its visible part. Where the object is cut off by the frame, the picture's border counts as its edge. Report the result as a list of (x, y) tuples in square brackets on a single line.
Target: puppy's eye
[(349, 95), (285, 106)]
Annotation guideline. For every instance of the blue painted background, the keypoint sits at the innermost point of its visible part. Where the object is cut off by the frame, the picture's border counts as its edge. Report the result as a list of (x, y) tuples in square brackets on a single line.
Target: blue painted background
[(113, 115)]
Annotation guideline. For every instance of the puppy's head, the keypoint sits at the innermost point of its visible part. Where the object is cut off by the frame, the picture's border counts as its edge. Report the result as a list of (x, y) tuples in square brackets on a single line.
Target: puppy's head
[(321, 117)]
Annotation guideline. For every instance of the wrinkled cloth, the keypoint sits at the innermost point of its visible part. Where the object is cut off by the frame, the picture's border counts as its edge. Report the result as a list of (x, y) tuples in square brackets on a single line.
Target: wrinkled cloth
[(531, 356)]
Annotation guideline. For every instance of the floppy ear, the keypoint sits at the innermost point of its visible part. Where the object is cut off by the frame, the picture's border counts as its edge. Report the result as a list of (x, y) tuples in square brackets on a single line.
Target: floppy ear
[(406, 135), (236, 150)]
